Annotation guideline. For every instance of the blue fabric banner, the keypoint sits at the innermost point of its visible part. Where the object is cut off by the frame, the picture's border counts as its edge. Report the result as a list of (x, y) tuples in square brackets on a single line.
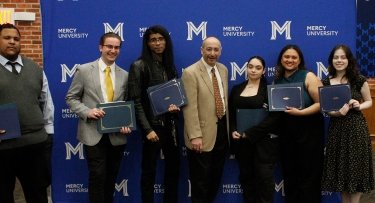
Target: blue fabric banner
[(71, 31), (366, 37)]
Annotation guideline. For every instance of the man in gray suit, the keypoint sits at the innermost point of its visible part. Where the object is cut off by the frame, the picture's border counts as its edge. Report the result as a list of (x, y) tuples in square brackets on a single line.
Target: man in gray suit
[(205, 132), (89, 87)]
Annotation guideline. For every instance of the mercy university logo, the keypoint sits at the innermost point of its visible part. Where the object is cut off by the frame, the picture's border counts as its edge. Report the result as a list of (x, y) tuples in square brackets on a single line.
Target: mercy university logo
[(119, 29), (202, 28), (277, 29)]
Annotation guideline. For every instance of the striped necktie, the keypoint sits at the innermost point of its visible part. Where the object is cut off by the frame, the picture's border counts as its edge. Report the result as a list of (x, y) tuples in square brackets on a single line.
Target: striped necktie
[(218, 101)]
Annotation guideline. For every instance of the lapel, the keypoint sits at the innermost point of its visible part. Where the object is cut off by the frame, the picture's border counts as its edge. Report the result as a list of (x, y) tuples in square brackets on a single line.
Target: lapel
[(95, 78), (117, 83), (223, 77), (206, 77)]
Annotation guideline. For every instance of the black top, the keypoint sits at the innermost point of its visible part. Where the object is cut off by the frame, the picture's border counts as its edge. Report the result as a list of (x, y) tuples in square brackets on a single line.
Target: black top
[(271, 124), (142, 76)]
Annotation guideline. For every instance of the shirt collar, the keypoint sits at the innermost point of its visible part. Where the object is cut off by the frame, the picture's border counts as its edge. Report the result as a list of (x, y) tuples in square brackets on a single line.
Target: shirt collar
[(208, 67), (103, 66), (4, 61)]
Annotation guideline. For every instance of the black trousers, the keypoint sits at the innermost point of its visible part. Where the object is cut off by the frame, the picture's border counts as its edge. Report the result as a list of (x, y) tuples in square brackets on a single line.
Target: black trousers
[(206, 168), (302, 158), (257, 163), (28, 164), (103, 162), (151, 151), (48, 156)]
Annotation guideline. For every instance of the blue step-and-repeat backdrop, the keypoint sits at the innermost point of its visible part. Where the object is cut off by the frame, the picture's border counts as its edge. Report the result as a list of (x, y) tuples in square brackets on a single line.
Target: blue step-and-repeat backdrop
[(71, 31)]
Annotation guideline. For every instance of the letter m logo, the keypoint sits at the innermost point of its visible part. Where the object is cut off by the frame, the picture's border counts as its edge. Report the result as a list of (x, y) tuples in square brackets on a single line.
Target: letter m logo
[(277, 29), (279, 187), (202, 28), (119, 29), (66, 71), (236, 69), (75, 150), (123, 186), (321, 69)]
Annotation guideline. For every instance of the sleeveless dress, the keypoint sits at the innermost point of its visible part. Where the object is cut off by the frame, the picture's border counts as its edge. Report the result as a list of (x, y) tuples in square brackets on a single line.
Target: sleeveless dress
[(348, 161)]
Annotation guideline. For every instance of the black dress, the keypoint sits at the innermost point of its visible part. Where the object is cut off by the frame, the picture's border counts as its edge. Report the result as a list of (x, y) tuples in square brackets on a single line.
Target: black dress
[(348, 160)]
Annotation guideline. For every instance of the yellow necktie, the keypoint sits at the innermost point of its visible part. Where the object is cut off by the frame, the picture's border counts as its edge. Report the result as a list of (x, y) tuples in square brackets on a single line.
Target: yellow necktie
[(108, 84)]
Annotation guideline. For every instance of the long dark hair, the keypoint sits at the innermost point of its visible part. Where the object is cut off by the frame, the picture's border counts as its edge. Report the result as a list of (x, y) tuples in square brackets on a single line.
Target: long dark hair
[(263, 80), (351, 72), (167, 57), (280, 71)]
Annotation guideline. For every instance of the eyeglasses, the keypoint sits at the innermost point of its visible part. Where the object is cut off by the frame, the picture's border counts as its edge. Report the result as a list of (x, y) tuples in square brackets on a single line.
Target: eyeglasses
[(111, 46), (155, 40)]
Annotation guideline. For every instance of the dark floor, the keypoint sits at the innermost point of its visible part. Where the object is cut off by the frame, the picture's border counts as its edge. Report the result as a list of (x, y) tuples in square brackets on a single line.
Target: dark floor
[(18, 194), (370, 198), (366, 198)]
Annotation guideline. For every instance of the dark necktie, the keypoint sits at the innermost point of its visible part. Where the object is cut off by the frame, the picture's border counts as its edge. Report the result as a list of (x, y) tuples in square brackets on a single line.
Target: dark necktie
[(13, 64), (218, 102)]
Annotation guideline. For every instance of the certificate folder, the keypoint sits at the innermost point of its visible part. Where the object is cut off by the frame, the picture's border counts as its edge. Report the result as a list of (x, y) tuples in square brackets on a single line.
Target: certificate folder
[(247, 118), (283, 95), (163, 95), (117, 115), (333, 97), (9, 122)]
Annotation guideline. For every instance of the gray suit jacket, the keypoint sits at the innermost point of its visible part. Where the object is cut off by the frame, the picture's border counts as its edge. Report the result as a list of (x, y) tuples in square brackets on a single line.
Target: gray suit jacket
[(200, 112), (85, 92)]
